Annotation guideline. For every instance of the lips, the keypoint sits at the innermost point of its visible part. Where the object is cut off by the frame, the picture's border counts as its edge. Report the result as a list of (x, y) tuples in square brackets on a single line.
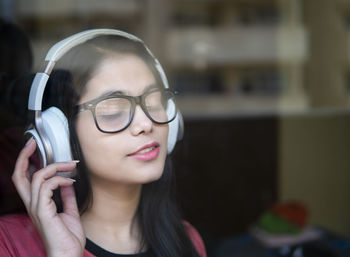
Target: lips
[(147, 152)]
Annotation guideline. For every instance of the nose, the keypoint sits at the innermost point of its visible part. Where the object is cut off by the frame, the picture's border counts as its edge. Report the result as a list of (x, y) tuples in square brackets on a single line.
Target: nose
[(140, 124)]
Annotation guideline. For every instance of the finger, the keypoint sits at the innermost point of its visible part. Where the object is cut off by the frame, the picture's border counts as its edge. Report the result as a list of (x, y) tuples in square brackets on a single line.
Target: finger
[(69, 201), (42, 175), (46, 206), (20, 174)]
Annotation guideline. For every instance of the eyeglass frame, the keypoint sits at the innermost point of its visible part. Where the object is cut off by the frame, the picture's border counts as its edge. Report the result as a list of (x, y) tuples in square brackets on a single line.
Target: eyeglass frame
[(135, 100)]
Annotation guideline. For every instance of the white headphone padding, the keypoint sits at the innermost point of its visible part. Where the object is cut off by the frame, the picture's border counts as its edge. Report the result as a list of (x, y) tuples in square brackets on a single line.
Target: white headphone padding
[(56, 127), (173, 128)]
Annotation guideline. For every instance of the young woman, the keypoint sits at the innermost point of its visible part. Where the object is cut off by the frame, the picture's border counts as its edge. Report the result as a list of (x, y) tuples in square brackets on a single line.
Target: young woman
[(121, 201)]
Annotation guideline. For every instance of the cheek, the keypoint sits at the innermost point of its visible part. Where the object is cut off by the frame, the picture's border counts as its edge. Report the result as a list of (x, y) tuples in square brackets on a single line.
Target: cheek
[(163, 138), (92, 141), (165, 133), (82, 128)]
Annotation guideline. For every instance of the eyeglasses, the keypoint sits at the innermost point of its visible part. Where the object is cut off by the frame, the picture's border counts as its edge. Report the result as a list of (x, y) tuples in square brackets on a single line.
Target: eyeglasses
[(115, 112)]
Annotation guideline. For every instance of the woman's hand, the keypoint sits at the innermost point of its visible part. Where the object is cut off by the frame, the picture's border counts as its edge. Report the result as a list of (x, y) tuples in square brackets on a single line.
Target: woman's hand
[(62, 233)]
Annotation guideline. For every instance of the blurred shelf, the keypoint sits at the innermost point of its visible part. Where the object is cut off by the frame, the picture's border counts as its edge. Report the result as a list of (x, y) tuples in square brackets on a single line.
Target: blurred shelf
[(228, 105), (217, 107), (203, 46), (220, 2), (46, 8)]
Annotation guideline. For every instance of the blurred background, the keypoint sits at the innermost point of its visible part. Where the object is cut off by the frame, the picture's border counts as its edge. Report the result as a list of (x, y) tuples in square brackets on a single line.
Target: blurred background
[(264, 88)]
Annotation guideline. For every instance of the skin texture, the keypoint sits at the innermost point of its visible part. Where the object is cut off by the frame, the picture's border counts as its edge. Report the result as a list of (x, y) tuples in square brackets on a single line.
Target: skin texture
[(116, 178)]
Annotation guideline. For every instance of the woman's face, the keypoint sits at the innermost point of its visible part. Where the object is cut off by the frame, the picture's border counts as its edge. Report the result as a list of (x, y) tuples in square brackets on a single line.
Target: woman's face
[(135, 155)]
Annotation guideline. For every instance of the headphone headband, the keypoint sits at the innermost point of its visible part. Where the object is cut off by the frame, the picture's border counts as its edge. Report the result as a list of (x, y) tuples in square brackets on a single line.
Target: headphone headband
[(63, 46)]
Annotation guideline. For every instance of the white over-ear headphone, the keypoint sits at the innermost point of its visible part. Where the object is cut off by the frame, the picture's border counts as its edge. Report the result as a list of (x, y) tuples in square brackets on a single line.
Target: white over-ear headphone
[(50, 128)]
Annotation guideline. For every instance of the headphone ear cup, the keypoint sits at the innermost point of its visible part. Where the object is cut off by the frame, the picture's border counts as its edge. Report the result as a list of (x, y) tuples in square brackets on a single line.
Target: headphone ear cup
[(40, 147), (172, 134), (175, 127), (55, 125)]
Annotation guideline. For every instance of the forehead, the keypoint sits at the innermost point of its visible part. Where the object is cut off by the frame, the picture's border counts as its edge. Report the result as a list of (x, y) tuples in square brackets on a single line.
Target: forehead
[(127, 73)]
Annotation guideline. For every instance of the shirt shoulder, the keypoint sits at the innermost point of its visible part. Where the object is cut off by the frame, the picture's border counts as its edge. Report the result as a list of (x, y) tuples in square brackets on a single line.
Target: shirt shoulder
[(18, 237), (196, 239)]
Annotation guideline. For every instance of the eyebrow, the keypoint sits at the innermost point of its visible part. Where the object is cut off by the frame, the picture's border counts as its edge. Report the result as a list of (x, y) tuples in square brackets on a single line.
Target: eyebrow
[(122, 92)]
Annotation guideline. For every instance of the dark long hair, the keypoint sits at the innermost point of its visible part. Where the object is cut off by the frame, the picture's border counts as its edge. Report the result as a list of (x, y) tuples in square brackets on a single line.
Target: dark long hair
[(162, 228)]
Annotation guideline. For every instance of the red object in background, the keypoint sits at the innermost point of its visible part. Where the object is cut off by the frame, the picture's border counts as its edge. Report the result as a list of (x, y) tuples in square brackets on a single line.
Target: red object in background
[(293, 212)]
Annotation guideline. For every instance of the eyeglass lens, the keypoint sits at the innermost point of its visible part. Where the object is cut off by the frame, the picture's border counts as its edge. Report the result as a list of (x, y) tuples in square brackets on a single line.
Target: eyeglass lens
[(114, 114)]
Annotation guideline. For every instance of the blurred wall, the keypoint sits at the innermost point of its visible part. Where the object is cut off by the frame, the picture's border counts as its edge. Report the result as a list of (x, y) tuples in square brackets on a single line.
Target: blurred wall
[(314, 166)]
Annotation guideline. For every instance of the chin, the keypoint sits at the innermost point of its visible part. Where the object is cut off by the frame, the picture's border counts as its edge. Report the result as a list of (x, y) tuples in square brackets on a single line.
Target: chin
[(148, 178), (148, 172)]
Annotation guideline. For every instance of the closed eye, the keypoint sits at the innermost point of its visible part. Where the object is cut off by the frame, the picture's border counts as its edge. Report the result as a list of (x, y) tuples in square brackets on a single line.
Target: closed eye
[(113, 116)]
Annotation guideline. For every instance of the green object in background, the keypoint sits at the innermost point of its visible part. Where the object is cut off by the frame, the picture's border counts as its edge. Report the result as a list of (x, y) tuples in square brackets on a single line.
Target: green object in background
[(271, 223)]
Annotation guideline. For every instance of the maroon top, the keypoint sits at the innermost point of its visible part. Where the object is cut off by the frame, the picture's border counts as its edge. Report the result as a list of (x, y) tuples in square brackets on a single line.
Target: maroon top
[(19, 238)]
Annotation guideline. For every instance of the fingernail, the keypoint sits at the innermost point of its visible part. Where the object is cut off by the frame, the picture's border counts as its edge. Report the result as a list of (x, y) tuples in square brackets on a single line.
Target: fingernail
[(73, 180), (76, 161), (29, 141)]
